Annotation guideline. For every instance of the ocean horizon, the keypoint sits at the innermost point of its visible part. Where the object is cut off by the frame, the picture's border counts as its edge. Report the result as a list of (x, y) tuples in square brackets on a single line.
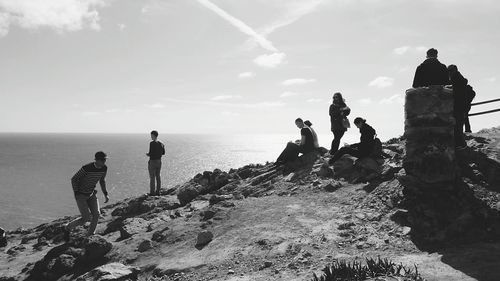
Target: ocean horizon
[(36, 168)]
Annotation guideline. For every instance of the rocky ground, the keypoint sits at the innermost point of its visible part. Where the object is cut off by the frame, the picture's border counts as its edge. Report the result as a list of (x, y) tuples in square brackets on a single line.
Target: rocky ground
[(262, 222)]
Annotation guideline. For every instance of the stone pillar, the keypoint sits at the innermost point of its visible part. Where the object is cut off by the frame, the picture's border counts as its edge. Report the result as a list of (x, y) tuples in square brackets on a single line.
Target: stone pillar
[(429, 123), (441, 208)]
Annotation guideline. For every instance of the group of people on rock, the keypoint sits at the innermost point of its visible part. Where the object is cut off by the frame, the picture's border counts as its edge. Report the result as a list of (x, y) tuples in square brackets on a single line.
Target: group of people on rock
[(430, 72)]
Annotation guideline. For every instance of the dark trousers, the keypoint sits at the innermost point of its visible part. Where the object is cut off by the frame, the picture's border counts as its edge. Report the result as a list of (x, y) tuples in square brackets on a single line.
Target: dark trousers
[(351, 150), (466, 119), (337, 135), (290, 153), (459, 129)]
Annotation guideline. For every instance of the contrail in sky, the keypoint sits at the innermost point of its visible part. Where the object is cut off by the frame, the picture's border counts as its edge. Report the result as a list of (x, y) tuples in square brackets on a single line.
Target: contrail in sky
[(243, 27)]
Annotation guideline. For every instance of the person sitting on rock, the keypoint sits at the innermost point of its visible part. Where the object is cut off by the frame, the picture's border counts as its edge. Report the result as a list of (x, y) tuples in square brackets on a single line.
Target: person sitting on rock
[(431, 71), (292, 149), (84, 183), (315, 136), (361, 149)]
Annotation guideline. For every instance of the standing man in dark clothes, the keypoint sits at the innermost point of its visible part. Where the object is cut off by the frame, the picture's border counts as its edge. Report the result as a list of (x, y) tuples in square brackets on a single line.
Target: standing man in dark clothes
[(431, 71), (305, 145), (156, 150), (361, 149), (459, 84), (84, 183)]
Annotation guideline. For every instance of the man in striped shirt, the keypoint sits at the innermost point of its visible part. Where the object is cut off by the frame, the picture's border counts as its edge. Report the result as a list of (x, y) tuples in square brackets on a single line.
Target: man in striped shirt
[(84, 183)]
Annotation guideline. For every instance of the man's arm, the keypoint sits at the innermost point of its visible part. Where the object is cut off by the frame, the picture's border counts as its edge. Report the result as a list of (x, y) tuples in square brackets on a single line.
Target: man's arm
[(75, 180), (150, 146), (102, 182), (162, 148), (417, 78)]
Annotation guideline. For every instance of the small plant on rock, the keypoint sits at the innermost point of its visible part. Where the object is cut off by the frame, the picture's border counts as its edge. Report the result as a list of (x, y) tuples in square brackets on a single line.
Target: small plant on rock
[(341, 270)]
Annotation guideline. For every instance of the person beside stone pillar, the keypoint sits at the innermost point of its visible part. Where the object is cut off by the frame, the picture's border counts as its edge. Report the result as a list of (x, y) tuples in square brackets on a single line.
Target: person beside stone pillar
[(431, 71), (459, 84)]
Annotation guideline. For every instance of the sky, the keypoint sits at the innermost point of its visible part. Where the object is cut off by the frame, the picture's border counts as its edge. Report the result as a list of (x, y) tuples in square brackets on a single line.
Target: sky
[(232, 66)]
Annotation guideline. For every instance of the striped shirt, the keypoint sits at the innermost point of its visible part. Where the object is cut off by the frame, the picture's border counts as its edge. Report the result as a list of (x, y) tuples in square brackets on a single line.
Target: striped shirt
[(85, 180)]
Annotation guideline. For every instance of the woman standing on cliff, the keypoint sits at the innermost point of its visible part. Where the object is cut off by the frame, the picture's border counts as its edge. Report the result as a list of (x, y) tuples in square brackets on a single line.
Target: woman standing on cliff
[(338, 119)]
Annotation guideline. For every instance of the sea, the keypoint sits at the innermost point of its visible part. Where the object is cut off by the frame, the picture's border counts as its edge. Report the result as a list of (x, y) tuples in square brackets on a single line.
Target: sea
[(36, 168)]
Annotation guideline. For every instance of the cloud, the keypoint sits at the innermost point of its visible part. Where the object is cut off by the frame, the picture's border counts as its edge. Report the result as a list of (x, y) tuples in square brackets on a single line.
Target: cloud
[(314, 100), (240, 25), (121, 26), (394, 99), (225, 97), (258, 105), (156, 105), (382, 82), (405, 49), (297, 81), (61, 15), (90, 113), (295, 10), (401, 50), (365, 101), (491, 79), (288, 94), (247, 74), (230, 113), (270, 61)]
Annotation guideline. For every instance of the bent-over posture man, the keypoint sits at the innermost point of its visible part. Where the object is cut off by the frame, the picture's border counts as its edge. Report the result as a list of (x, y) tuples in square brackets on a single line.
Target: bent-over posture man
[(156, 150), (361, 149), (84, 183)]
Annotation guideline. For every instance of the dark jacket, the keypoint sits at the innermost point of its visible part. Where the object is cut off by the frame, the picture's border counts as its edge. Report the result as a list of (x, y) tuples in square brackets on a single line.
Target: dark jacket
[(431, 72), (366, 139), (459, 92), (337, 113)]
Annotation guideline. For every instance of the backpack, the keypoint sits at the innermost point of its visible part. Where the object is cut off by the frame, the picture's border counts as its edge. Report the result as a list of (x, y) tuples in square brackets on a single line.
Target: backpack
[(470, 94)]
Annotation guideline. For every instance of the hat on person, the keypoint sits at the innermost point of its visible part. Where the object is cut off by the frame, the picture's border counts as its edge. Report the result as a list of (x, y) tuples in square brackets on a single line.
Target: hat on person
[(99, 155)]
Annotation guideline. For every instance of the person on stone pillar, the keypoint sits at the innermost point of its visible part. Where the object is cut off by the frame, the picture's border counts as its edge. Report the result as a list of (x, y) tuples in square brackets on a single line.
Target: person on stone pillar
[(338, 112), (431, 71), (292, 149), (156, 150), (361, 149), (84, 183), (459, 84)]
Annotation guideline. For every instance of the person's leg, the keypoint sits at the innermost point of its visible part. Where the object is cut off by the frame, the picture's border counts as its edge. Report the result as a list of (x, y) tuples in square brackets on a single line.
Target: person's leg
[(459, 133), (290, 153), (337, 135), (158, 177), (83, 207), (466, 120), (340, 153), (93, 204), (151, 171)]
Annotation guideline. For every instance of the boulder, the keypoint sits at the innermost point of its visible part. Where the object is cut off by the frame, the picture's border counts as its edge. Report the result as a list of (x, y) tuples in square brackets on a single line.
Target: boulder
[(204, 238), (132, 226), (331, 186), (3, 238), (145, 245), (96, 247), (109, 272), (325, 171), (144, 204), (188, 192)]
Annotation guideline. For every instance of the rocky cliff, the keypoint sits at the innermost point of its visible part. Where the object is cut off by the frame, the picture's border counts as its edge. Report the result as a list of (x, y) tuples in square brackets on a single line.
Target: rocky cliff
[(262, 222)]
